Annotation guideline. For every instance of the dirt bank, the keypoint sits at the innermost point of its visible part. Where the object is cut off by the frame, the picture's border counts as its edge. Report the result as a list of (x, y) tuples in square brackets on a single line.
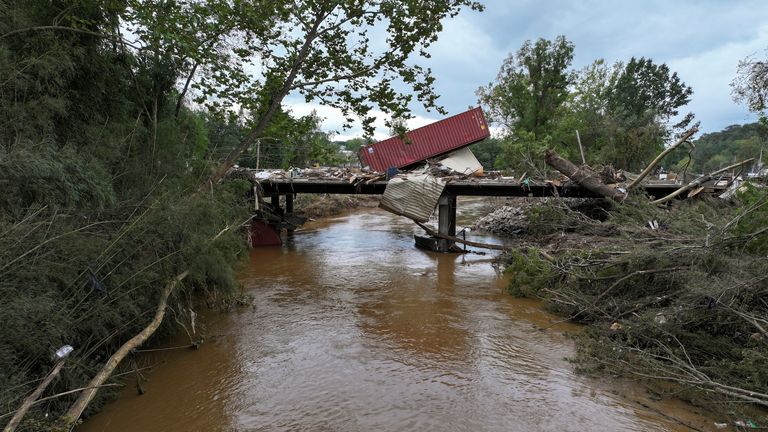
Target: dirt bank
[(316, 206)]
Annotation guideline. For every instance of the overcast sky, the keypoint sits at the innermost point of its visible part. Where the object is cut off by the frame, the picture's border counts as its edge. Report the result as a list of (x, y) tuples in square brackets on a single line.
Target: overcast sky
[(702, 41)]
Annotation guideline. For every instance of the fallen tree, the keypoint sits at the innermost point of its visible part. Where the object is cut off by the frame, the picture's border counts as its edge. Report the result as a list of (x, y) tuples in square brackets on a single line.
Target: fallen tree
[(673, 295), (583, 176), (76, 410)]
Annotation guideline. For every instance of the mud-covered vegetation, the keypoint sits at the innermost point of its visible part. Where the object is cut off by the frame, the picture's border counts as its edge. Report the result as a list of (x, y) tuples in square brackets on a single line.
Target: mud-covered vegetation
[(674, 295), (317, 206)]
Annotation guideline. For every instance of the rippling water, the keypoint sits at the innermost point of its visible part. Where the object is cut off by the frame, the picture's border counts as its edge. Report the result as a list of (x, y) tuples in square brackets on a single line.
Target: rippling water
[(356, 330)]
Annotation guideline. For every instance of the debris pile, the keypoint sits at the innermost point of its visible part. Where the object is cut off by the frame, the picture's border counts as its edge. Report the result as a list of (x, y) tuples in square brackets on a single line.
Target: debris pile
[(507, 221)]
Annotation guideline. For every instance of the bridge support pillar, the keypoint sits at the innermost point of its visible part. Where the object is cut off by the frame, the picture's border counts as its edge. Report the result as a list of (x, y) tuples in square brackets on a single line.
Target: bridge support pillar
[(275, 201), (446, 224), (289, 208)]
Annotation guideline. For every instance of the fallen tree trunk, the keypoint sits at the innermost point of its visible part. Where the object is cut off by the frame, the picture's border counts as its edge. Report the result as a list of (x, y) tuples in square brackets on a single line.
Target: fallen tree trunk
[(661, 156), (699, 181), (583, 176), (434, 233), (76, 410), (30, 400)]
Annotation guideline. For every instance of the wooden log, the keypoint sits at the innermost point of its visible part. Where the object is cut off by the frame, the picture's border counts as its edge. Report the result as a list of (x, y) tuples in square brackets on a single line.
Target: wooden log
[(583, 176), (699, 181), (434, 233), (77, 408), (30, 400), (647, 170)]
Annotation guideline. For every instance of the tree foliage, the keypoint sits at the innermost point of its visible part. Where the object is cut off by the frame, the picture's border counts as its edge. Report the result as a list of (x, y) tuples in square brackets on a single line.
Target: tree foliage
[(719, 149), (530, 87), (623, 112), (107, 135), (751, 84)]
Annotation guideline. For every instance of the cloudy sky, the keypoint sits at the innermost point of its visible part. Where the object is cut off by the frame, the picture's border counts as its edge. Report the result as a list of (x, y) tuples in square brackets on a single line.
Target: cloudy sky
[(702, 41)]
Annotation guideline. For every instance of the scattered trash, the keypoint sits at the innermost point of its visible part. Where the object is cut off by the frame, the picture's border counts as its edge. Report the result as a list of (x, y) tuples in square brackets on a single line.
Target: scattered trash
[(63, 351), (746, 424)]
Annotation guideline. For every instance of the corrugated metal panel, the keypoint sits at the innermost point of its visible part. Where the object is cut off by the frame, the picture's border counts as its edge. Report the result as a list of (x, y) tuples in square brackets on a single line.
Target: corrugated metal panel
[(428, 141), (414, 195)]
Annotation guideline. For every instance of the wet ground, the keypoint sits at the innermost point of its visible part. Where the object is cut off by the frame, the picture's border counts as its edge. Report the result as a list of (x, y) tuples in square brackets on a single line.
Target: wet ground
[(353, 329)]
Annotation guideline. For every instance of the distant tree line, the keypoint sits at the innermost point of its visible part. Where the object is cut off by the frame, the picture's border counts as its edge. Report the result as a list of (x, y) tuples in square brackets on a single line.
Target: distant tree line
[(623, 111)]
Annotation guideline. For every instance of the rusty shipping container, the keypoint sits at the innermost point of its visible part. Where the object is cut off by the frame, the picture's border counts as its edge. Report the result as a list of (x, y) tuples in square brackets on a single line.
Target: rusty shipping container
[(427, 141)]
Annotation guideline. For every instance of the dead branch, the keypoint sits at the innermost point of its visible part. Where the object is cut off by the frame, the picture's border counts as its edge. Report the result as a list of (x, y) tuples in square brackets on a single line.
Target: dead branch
[(633, 274), (76, 410), (58, 395), (687, 135), (434, 233), (699, 181), (30, 400)]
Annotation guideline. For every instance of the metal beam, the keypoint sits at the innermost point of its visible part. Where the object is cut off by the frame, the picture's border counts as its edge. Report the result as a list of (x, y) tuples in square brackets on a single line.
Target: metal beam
[(456, 188)]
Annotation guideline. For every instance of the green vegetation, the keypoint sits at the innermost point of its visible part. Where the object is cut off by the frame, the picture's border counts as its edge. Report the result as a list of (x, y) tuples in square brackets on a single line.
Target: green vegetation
[(111, 152), (680, 304), (622, 112), (719, 149)]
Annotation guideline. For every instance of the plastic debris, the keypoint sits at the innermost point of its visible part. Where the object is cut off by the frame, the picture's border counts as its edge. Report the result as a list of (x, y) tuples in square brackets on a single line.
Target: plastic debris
[(63, 351)]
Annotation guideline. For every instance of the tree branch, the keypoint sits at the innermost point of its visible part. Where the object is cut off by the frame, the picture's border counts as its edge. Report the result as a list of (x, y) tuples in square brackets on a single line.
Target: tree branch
[(76, 410)]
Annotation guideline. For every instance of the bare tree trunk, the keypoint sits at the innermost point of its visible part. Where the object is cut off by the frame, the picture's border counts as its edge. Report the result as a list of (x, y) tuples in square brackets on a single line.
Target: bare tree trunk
[(277, 99), (699, 181), (76, 410), (583, 176), (183, 93), (661, 156)]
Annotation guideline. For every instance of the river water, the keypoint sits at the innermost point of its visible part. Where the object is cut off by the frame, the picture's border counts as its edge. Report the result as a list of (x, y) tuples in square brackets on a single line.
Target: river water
[(353, 329)]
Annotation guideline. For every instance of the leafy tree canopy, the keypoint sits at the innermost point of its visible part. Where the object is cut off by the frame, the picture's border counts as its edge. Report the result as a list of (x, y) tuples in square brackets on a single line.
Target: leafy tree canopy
[(622, 112)]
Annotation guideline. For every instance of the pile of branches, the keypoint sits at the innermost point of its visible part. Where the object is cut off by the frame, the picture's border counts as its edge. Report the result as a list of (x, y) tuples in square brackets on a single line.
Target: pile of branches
[(676, 294)]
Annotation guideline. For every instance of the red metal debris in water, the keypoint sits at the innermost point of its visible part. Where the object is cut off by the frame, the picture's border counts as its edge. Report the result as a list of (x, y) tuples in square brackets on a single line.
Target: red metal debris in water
[(426, 142), (261, 234)]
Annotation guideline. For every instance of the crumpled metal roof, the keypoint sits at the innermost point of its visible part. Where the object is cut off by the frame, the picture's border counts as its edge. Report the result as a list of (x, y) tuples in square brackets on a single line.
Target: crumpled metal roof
[(414, 195)]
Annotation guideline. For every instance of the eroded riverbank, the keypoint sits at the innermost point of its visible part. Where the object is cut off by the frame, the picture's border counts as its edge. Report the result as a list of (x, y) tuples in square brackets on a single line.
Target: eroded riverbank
[(354, 329)]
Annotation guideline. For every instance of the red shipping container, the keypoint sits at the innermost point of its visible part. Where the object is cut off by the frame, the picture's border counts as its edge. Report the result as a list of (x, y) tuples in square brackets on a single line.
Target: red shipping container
[(427, 141)]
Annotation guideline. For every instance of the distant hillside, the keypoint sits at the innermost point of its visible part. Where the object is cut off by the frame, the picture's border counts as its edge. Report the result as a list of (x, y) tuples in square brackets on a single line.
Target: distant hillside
[(719, 149)]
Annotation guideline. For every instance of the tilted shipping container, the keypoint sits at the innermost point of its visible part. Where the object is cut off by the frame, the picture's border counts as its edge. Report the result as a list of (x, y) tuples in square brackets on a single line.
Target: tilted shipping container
[(427, 141)]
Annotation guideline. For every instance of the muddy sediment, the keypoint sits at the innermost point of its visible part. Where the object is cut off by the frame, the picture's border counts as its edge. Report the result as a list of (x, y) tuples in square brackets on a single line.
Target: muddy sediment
[(314, 206)]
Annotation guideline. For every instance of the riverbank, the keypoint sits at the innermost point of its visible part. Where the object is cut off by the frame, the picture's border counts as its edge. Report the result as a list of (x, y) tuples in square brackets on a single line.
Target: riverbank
[(314, 206), (673, 297)]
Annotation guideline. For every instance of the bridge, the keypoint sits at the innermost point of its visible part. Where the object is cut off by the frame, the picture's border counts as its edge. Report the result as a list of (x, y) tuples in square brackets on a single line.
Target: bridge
[(289, 187)]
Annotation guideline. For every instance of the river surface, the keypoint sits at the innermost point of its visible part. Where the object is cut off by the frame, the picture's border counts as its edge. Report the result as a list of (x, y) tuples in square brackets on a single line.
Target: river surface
[(353, 329)]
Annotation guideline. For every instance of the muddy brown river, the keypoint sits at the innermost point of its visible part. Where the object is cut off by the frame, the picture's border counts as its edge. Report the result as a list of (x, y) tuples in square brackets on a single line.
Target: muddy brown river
[(354, 329)]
